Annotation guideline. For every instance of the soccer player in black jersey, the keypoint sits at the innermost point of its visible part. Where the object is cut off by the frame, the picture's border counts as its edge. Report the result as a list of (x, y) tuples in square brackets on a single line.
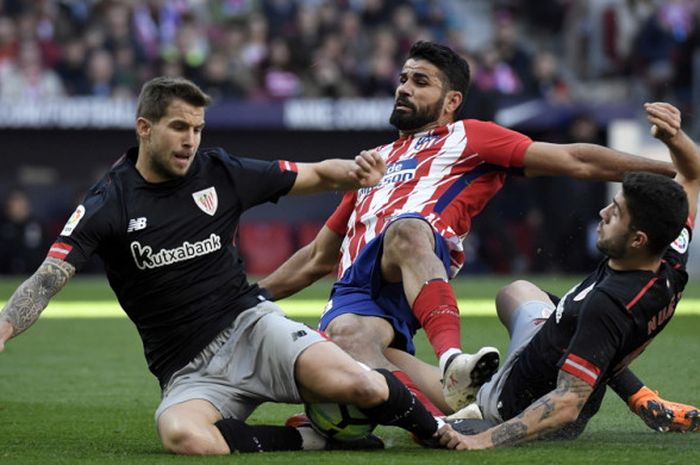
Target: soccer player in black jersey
[(564, 352), (163, 220)]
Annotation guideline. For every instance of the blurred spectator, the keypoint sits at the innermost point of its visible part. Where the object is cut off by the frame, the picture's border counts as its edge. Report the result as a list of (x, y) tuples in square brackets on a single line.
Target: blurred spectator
[(495, 75), (8, 43), (71, 68), (547, 81), (382, 76), (328, 77), (100, 73), (27, 78), (191, 48), (216, 80), (279, 78), (509, 47), (126, 72), (22, 244)]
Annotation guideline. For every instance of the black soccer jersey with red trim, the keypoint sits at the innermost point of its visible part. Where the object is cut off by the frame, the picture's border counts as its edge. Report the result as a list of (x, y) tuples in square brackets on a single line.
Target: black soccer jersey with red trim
[(598, 327), (168, 247)]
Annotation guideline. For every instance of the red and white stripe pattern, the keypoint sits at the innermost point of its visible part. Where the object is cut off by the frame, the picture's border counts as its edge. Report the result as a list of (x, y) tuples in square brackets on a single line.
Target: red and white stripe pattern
[(441, 158), (581, 368), (59, 250), (287, 165)]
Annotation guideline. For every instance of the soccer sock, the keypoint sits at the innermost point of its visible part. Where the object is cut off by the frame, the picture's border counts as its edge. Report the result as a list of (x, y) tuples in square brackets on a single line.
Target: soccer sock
[(259, 438), (625, 384), (436, 310), (420, 395), (402, 409)]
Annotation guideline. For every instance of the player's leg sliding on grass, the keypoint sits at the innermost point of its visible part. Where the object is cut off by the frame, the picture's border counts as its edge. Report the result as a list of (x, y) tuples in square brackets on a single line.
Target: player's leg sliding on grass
[(205, 405)]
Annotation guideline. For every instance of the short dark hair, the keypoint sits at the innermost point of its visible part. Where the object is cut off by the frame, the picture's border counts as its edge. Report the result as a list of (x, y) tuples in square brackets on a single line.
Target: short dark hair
[(657, 205), (159, 92), (454, 68)]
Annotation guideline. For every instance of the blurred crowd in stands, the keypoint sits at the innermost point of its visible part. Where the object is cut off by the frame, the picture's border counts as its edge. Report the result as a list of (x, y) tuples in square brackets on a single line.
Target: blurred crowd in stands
[(277, 49), (562, 51)]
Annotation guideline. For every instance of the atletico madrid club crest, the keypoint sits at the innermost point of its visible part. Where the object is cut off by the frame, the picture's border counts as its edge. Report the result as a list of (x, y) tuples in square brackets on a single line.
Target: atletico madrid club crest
[(206, 200)]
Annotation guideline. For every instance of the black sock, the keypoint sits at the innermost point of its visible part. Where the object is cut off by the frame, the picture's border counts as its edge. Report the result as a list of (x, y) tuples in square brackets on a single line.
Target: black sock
[(259, 438), (625, 384), (402, 409)]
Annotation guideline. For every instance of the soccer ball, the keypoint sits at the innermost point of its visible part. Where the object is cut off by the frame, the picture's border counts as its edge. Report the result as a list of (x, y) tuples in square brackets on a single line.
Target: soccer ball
[(337, 421)]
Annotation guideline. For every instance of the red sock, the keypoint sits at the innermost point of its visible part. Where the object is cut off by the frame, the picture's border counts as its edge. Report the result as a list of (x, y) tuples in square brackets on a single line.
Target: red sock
[(436, 310), (420, 395)]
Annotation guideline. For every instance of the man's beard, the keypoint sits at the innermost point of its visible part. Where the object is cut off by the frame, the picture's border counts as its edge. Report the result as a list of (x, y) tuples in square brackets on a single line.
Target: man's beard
[(414, 119), (613, 248)]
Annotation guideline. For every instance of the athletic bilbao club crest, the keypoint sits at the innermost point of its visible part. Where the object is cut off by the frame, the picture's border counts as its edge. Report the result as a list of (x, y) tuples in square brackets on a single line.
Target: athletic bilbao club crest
[(206, 200)]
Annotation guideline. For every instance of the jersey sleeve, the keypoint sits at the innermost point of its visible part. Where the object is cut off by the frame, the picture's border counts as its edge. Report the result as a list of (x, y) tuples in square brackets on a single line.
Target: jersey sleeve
[(260, 181), (677, 253), (496, 144), (88, 228), (599, 334), (338, 221)]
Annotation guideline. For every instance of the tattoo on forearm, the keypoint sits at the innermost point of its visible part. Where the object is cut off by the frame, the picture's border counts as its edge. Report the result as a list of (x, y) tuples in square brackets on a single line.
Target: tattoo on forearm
[(547, 408), (570, 383), (509, 433), (32, 296)]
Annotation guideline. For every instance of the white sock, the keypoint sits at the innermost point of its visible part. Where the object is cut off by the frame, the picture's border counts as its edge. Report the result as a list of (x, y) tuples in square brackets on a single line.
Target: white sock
[(446, 356), (310, 439)]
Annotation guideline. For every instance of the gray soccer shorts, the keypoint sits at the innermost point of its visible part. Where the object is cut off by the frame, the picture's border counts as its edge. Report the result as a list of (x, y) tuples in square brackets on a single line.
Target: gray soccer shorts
[(249, 363), (528, 321)]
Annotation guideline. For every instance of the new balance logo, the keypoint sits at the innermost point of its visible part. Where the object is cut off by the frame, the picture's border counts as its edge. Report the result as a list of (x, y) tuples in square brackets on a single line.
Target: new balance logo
[(136, 224), (297, 334)]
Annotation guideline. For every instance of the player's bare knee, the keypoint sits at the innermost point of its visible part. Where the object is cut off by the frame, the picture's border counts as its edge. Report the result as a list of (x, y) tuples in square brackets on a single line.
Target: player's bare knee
[(184, 438), (347, 333), (367, 388), (408, 239), (364, 338), (349, 339), (510, 296)]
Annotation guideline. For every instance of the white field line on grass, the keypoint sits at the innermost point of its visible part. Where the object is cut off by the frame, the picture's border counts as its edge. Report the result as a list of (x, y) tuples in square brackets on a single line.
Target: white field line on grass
[(294, 308)]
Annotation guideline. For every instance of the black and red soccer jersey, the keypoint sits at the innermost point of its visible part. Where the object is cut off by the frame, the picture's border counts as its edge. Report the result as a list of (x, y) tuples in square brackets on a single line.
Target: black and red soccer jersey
[(598, 327), (168, 247)]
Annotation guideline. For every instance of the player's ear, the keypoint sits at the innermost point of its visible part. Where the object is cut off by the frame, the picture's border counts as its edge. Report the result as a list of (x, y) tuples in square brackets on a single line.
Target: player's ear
[(453, 99), (143, 127), (640, 239)]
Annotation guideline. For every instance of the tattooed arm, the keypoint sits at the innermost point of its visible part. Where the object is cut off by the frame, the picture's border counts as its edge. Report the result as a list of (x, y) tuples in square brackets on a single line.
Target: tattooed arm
[(549, 413), (32, 297)]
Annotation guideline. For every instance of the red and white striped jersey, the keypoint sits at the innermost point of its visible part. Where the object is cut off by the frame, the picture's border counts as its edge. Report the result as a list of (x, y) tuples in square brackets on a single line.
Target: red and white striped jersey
[(447, 175)]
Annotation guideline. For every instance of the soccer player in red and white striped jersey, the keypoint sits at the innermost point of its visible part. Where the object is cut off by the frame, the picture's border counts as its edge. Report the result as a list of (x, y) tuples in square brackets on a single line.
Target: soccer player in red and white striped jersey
[(401, 241)]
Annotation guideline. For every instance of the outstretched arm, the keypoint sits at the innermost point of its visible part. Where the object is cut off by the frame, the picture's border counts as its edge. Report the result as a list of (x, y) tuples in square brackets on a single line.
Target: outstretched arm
[(309, 264), (365, 170), (32, 297), (666, 126), (587, 161), (548, 414)]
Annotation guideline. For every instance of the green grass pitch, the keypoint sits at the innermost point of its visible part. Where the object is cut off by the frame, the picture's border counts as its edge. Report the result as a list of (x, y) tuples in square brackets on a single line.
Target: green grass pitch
[(75, 389)]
